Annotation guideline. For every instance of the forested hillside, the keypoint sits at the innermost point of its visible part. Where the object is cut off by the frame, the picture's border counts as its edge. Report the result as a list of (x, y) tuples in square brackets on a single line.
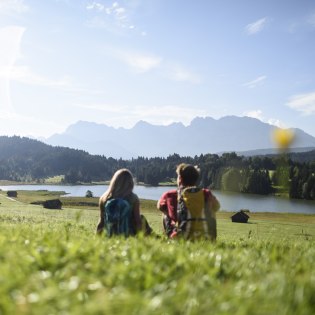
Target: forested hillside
[(27, 160), (24, 159)]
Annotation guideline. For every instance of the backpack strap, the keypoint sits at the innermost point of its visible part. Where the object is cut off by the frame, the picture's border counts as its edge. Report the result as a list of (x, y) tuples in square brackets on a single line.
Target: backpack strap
[(181, 212)]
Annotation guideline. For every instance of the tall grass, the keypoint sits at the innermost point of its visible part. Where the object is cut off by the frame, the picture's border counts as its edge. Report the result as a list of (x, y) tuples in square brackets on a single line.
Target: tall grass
[(51, 262)]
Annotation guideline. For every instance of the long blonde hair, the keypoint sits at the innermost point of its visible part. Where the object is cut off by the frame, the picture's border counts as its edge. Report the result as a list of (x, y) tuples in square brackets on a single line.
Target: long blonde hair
[(121, 185)]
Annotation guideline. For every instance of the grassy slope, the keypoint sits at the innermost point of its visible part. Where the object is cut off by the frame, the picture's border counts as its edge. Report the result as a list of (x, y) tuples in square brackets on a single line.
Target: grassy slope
[(51, 262)]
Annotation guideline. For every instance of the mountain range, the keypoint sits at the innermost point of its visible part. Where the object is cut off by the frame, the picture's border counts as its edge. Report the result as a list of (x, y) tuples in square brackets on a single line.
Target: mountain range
[(203, 135)]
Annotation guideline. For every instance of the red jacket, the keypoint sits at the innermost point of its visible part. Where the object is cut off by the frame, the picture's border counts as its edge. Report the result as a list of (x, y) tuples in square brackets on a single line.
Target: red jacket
[(168, 202)]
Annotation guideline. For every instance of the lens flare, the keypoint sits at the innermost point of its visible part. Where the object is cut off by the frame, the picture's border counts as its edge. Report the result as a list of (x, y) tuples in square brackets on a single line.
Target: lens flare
[(283, 137)]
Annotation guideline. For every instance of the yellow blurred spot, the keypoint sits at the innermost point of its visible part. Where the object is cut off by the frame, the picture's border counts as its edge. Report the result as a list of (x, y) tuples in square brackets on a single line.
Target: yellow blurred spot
[(283, 137)]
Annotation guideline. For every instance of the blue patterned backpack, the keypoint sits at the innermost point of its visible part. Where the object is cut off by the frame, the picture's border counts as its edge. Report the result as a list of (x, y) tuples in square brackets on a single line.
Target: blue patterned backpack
[(118, 217)]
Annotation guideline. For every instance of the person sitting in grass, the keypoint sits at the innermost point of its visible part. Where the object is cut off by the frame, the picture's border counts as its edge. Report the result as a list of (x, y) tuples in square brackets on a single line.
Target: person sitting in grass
[(189, 211), (120, 208)]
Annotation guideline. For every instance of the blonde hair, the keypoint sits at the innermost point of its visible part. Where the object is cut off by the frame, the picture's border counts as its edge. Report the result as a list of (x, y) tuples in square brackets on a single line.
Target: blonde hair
[(121, 185)]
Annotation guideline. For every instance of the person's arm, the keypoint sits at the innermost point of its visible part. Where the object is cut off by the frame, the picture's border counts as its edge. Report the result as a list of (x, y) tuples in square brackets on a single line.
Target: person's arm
[(162, 204), (101, 223), (136, 214), (214, 204), (167, 205)]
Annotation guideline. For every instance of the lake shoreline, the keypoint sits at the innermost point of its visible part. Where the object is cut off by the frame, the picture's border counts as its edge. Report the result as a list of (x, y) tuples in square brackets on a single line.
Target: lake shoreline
[(230, 201), (14, 183)]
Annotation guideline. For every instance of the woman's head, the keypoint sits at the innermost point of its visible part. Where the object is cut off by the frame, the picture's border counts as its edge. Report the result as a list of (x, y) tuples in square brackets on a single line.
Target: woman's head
[(121, 184)]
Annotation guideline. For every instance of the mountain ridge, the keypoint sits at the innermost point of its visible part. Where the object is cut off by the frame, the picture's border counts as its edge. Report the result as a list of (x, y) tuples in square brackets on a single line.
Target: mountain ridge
[(203, 135)]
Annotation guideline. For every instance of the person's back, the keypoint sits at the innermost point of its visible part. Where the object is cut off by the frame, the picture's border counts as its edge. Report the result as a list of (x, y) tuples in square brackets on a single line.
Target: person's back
[(118, 216), (120, 208), (189, 211), (194, 216)]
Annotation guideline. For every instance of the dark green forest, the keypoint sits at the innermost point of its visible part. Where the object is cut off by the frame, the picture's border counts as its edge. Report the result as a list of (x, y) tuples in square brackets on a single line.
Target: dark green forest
[(28, 160)]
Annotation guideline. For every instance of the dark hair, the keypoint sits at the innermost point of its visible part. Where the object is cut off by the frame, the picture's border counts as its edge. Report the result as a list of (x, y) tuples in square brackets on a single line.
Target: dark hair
[(189, 174)]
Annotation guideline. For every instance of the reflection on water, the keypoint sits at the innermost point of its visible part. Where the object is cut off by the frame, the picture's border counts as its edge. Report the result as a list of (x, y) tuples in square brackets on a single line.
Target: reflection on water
[(229, 201)]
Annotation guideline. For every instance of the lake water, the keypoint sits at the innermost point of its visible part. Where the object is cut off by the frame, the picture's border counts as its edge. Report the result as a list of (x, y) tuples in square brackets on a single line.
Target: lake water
[(229, 201)]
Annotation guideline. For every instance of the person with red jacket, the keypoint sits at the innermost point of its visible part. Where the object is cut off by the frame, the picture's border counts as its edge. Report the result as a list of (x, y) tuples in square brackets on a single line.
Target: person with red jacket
[(187, 177)]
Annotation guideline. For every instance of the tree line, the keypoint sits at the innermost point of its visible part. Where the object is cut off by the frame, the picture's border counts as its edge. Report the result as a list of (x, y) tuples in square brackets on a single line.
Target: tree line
[(28, 160)]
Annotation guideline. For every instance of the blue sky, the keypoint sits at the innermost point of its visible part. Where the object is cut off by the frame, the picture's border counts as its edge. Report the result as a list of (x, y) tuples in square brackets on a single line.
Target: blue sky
[(162, 61)]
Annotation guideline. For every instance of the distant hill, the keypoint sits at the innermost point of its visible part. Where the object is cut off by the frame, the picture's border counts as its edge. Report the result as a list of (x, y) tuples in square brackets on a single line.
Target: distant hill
[(203, 135), (24, 159)]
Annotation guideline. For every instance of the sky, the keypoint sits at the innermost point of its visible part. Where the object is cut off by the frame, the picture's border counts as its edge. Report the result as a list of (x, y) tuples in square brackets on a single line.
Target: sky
[(161, 61)]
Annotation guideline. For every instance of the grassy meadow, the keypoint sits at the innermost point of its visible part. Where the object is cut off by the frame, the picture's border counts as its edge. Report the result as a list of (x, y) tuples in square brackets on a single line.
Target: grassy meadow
[(51, 262)]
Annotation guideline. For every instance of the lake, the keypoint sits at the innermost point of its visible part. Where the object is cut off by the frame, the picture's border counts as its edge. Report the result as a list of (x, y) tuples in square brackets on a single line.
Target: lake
[(229, 201)]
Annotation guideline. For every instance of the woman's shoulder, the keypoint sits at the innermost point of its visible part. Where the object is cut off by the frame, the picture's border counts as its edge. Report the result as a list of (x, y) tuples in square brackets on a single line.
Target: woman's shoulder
[(132, 198)]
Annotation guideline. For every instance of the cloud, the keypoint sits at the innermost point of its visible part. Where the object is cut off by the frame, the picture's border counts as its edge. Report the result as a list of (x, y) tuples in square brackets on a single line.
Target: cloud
[(114, 17), (145, 62), (254, 114), (140, 62), (276, 122), (111, 17), (12, 123), (24, 75), (115, 10), (180, 74), (256, 82), (12, 6), (304, 103), (256, 27), (258, 114)]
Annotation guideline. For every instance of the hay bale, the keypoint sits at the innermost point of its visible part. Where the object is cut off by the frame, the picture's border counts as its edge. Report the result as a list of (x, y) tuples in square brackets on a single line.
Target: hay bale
[(52, 204), (12, 193)]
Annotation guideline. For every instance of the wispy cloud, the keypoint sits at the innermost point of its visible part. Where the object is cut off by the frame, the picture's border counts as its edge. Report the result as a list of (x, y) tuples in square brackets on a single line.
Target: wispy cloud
[(180, 74), (304, 103), (258, 114), (110, 17), (140, 62), (34, 126), (256, 27), (276, 122), (115, 10), (25, 75), (256, 82), (12, 6)]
